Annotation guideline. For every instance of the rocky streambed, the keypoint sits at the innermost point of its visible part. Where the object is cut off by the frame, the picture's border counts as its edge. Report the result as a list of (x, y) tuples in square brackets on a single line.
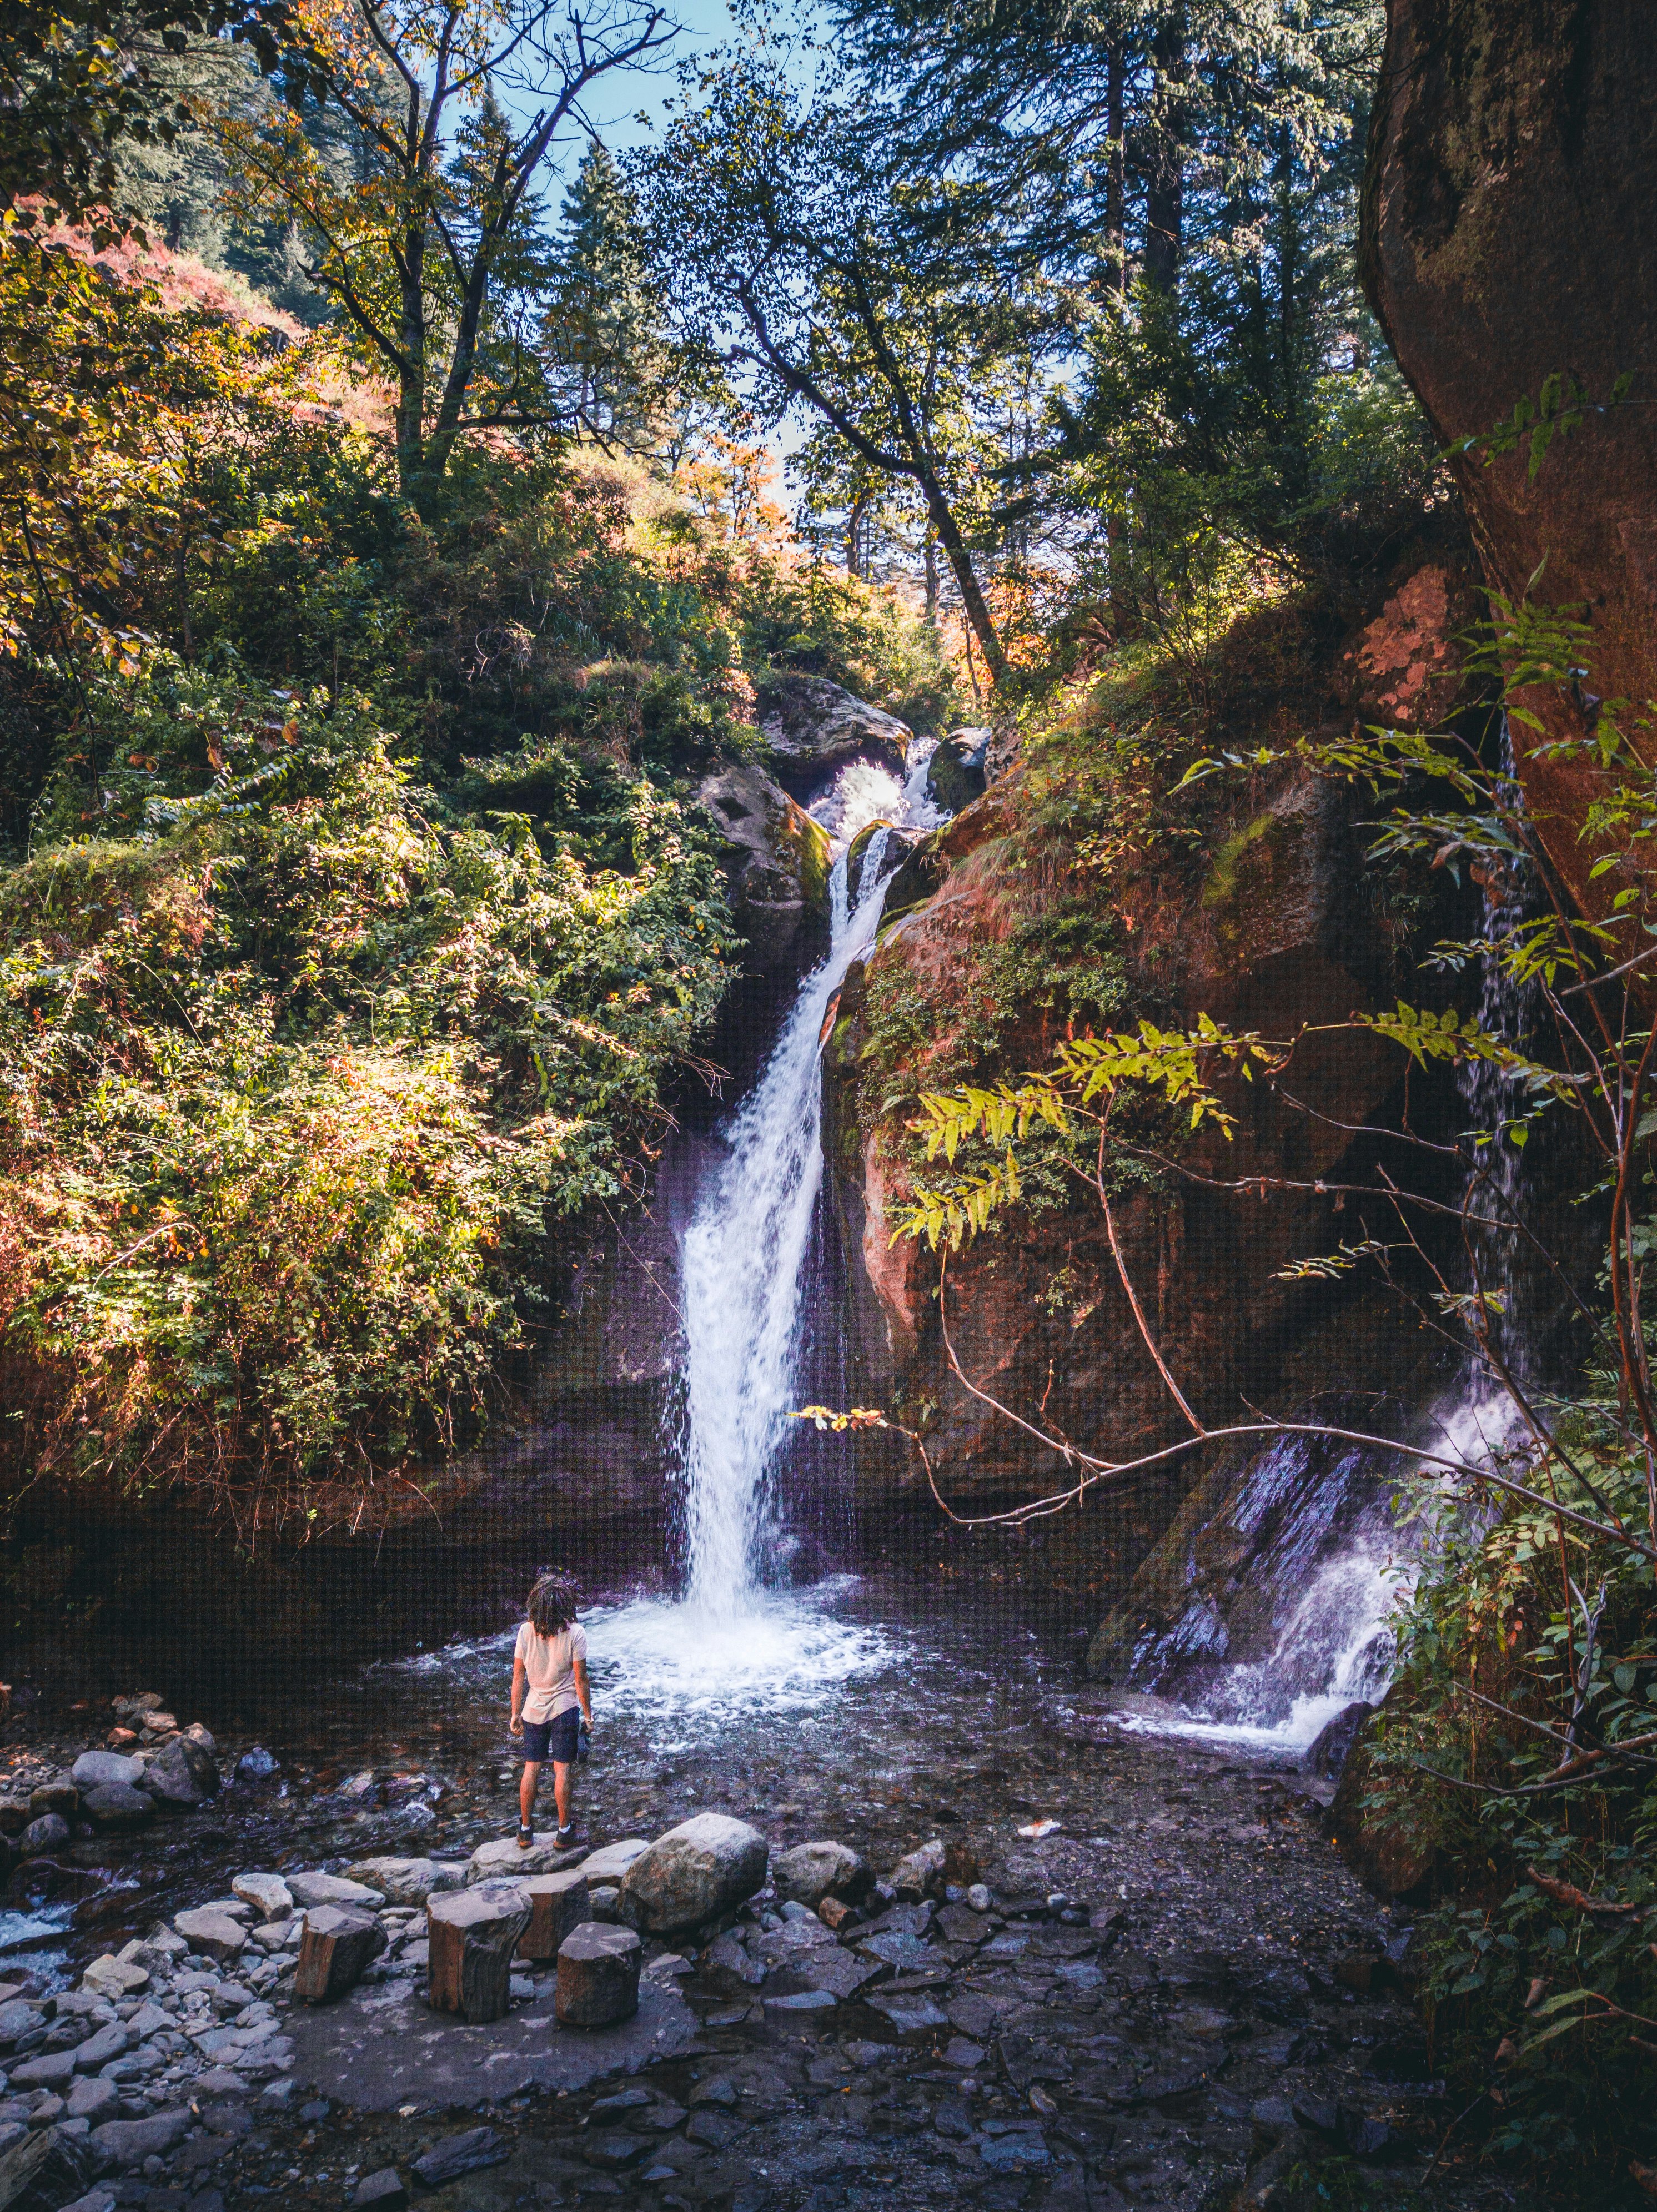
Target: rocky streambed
[(1132, 1970)]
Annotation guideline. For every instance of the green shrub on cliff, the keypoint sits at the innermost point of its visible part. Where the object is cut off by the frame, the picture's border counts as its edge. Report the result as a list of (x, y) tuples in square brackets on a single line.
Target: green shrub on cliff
[(299, 1070)]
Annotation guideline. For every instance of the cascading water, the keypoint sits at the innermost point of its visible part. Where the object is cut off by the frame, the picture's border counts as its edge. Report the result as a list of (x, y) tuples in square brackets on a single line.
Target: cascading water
[(743, 1257), (735, 1639), (1331, 1552)]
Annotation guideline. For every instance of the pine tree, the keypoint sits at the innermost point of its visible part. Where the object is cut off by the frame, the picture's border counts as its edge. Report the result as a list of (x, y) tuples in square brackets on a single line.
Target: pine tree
[(607, 362)]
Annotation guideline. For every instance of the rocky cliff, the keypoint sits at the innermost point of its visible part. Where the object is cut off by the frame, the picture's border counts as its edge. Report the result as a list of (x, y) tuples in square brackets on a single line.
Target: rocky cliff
[(1508, 249)]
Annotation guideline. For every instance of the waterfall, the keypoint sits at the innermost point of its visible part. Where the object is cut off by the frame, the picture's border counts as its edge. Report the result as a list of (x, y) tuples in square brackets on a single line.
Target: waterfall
[(746, 1251), (1330, 1561)]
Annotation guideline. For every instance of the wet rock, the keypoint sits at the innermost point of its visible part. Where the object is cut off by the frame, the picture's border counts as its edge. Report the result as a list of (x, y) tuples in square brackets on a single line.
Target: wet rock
[(912, 2018), (107, 2043), (813, 726), (776, 859), (114, 1977), (712, 2129), (726, 1955), (1326, 1755), (118, 1810), (811, 1872), (60, 1796), (1014, 2146), (472, 1934), (695, 1872), (14, 1815), (803, 2001), (268, 1894), (120, 2145), (462, 2154), (332, 1889), (52, 2069), (920, 1874), (598, 1976), (719, 2090), (380, 2193), (501, 1860), (19, 2018), (96, 2200), (181, 1774), (42, 2168), (557, 1903), (95, 1769), (215, 1934), (954, 775), (406, 1880), (49, 1833), (256, 1765), (95, 2101), (335, 1948)]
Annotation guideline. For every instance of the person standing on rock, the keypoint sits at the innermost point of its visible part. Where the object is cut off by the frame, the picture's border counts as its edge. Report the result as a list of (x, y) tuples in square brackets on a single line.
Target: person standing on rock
[(551, 1698)]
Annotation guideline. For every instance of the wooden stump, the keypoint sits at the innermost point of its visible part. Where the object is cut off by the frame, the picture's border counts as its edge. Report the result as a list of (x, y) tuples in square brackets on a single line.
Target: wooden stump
[(335, 1946), (557, 1903), (472, 1934), (598, 1976)]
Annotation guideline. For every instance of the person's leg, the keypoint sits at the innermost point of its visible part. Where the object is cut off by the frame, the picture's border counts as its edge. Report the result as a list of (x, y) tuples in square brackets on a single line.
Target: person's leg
[(561, 1773), (532, 1775)]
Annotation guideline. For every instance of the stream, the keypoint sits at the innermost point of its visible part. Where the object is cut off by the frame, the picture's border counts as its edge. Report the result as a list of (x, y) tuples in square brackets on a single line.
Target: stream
[(1168, 1977)]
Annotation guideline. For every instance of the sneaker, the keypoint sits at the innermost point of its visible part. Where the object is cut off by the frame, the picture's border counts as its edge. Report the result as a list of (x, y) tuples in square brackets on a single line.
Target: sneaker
[(525, 1835), (566, 1837)]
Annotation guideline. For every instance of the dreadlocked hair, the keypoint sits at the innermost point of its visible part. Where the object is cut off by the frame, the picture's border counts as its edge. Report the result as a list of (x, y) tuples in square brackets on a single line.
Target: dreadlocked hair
[(551, 1603)]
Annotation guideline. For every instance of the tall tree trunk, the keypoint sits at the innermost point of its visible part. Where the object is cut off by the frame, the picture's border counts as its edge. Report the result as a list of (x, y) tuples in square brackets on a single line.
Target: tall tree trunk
[(930, 565), (1164, 200), (1115, 175), (855, 515)]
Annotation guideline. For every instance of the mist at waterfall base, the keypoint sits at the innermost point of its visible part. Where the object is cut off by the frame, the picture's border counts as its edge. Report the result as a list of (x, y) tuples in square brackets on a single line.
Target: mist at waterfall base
[(741, 1636)]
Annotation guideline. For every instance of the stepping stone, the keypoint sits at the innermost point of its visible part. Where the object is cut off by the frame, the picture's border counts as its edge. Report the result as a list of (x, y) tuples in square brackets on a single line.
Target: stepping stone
[(557, 1903), (332, 1889), (502, 1860), (613, 1861), (268, 1894), (598, 1976), (213, 1934), (472, 1934), (336, 1947)]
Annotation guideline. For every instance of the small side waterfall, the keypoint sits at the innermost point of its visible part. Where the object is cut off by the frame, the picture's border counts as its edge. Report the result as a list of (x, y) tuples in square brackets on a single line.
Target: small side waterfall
[(1329, 1558), (746, 1248)]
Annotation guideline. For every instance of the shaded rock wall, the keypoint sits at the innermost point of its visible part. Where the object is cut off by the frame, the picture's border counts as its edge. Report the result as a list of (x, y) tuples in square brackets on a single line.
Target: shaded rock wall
[(1506, 239)]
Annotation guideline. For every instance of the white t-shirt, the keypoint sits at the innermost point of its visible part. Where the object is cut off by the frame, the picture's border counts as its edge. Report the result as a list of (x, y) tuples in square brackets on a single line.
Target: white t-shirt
[(550, 1669)]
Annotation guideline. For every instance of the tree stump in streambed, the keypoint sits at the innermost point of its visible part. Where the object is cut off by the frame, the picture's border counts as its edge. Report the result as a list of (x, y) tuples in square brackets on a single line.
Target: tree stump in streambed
[(598, 1976), (472, 1934), (335, 1947), (557, 1903)]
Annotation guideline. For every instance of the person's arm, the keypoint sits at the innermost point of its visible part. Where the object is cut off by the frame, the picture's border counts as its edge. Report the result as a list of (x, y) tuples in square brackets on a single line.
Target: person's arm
[(516, 1723), (583, 1691)]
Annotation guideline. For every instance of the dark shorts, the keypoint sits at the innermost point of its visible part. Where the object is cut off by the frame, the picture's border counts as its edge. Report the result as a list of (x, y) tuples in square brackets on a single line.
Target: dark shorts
[(554, 1739)]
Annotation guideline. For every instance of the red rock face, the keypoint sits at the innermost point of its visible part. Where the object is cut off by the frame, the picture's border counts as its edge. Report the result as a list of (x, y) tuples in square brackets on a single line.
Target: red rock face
[(1271, 934), (1507, 237)]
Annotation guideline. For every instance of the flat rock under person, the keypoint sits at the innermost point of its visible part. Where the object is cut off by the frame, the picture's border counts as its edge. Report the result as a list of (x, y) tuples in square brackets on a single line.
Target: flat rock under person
[(551, 1698)]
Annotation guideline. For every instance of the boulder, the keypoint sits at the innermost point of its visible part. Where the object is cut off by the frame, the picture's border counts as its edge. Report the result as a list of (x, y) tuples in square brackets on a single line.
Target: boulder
[(954, 775), (332, 1889), (58, 1796), (1324, 1758), (920, 1874), (106, 2043), (14, 1815), (117, 1809), (598, 1976), (776, 861), (811, 727), (335, 1947), (268, 1894), (557, 1903), (811, 1872), (406, 1882), (695, 1872), (50, 1832), (215, 1934), (93, 1770), (181, 1773)]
